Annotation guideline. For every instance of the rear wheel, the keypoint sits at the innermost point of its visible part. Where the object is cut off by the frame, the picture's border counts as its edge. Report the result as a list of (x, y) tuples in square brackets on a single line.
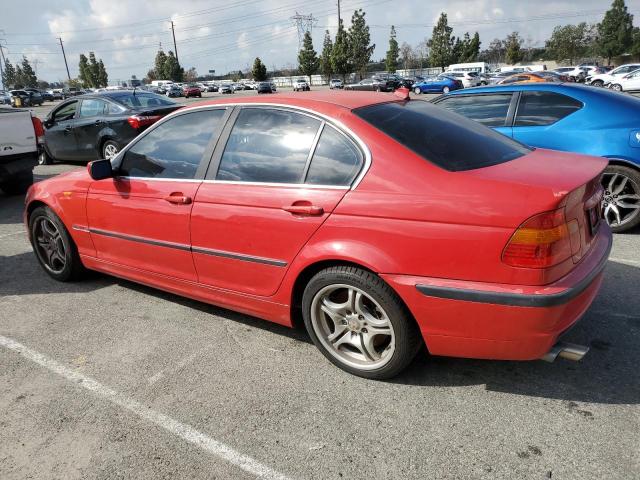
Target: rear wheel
[(54, 248), (445, 90), (19, 184), (597, 83), (417, 91), (359, 323), (44, 158), (110, 149), (621, 203), (617, 87)]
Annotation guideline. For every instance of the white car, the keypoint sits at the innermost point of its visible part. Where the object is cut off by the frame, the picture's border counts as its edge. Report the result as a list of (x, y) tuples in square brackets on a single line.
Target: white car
[(468, 79), (629, 83), (586, 70), (604, 79), (300, 84)]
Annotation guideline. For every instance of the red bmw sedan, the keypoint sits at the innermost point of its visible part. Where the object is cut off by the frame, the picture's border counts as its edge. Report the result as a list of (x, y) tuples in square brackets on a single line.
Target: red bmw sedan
[(381, 223)]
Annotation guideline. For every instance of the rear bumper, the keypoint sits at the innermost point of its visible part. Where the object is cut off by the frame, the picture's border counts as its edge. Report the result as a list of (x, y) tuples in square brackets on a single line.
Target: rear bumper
[(499, 321)]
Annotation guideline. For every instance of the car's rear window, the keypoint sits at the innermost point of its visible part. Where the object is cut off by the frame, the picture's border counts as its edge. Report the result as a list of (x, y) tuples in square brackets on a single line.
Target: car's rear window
[(140, 99), (444, 138)]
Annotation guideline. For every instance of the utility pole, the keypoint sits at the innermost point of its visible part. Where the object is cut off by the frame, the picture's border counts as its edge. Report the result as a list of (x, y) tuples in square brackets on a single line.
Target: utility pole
[(175, 47), (65, 58), (338, 13)]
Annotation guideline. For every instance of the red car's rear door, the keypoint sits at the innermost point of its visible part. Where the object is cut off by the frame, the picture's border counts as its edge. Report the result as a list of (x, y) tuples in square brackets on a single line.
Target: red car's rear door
[(266, 193), (141, 217)]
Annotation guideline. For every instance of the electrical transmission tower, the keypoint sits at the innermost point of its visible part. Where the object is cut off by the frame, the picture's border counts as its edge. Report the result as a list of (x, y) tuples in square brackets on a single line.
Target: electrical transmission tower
[(304, 24)]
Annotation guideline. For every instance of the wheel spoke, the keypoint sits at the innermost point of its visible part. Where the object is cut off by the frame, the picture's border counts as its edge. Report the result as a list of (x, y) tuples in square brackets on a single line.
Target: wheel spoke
[(337, 334), (46, 227), (628, 197), (612, 182), (630, 206), (367, 346), (620, 187), (616, 212)]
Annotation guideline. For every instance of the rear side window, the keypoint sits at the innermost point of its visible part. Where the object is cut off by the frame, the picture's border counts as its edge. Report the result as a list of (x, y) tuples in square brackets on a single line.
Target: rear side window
[(490, 110), (544, 108), (91, 107), (268, 145), (444, 138), (143, 99), (336, 160), (173, 149)]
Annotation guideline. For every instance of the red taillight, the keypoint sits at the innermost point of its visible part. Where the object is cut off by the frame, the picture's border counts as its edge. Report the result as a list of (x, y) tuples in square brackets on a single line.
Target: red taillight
[(38, 129), (139, 121), (542, 241)]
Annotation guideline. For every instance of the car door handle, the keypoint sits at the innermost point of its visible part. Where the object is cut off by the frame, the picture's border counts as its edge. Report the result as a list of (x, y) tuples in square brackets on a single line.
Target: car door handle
[(178, 199), (310, 210), (67, 128)]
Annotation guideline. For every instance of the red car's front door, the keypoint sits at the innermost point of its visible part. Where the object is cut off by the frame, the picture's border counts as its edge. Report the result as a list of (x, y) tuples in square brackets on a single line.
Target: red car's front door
[(141, 217), (279, 176)]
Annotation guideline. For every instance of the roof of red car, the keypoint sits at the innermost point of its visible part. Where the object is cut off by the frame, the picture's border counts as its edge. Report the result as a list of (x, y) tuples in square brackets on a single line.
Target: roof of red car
[(348, 100)]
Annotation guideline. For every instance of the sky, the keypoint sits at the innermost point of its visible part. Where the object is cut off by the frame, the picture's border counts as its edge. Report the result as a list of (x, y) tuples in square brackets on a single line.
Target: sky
[(228, 35)]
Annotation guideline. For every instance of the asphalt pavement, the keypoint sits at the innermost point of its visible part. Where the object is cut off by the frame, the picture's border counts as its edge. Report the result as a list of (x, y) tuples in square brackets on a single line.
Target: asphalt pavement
[(107, 379)]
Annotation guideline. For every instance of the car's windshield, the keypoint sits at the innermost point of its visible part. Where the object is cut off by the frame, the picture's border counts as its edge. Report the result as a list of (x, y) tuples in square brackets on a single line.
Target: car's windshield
[(448, 140), (142, 99)]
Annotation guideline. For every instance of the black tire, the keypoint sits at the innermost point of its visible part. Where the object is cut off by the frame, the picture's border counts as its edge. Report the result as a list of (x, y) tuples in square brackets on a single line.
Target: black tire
[(73, 268), (44, 158), (417, 91), (597, 83), (617, 87), (19, 184), (109, 143), (407, 335), (632, 187)]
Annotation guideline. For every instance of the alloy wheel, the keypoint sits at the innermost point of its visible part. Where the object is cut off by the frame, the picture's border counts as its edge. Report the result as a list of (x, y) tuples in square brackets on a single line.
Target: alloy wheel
[(110, 151), (49, 245), (352, 327), (445, 90), (621, 202)]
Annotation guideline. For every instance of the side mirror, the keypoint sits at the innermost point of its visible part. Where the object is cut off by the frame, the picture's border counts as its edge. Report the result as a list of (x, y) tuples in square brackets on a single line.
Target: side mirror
[(100, 169)]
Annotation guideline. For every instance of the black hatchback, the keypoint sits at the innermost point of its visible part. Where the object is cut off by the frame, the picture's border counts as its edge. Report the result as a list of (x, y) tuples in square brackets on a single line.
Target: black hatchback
[(98, 125)]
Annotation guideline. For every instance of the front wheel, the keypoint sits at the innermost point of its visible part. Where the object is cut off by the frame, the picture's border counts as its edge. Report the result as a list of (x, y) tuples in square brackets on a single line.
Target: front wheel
[(597, 83), (445, 90), (417, 91), (53, 246), (44, 159), (621, 202), (359, 323), (617, 87)]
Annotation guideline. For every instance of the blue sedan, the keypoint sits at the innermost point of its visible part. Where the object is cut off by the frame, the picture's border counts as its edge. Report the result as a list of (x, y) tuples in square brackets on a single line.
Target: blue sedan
[(439, 84), (573, 118)]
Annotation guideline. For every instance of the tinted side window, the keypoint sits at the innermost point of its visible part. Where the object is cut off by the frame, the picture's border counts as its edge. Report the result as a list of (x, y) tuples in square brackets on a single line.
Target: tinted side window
[(173, 149), (441, 137), (490, 110), (336, 160), (91, 107), (66, 113), (268, 145), (544, 108)]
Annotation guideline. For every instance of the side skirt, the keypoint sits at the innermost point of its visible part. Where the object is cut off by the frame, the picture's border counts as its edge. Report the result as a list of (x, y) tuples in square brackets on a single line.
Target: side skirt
[(247, 304)]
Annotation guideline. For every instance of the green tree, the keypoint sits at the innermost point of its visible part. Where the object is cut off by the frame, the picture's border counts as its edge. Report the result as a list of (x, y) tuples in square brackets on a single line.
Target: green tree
[(19, 79), (569, 42), (441, 43), (360, 48), (307, 57), (615, 33), (471, 48), (84, 71), (191, 75), (8, 75), (457, 51), (513, 52), (391, 62), (325, 58), (172, 69), (635, 45), (158, 69), (259, 70), (28, 77), (340, 55), (94, 70), (103, 78)]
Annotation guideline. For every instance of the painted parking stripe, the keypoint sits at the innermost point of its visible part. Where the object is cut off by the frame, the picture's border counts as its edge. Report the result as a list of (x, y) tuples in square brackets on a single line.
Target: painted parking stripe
[(179, 429)]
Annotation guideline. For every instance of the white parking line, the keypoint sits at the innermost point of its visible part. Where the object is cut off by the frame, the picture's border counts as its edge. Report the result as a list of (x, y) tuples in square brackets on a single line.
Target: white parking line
[(182, 430), (625, 260), (13, 233)]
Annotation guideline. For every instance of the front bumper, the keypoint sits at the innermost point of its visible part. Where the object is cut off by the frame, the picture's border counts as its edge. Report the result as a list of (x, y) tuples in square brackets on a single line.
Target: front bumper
[(499, 321)]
